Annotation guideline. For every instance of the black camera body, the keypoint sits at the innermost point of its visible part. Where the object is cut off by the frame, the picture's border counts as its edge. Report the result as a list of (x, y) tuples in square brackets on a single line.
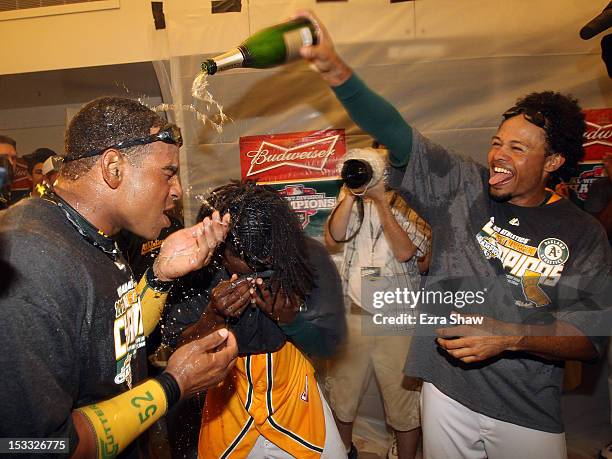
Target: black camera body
[(363, 168)]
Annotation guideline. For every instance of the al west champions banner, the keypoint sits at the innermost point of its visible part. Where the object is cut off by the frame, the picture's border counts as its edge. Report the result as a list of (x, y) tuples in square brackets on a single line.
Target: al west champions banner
[(597, 141), (302, 166), (312, 201)]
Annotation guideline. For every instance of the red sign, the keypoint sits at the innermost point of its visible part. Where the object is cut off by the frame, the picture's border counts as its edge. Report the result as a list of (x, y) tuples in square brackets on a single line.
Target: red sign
[(292, 156), (598, 135), (588, 172), (21, 177)]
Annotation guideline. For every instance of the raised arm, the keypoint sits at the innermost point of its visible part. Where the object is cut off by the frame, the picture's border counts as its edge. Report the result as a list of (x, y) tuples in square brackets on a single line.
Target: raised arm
[(368, 110), (182, 252)]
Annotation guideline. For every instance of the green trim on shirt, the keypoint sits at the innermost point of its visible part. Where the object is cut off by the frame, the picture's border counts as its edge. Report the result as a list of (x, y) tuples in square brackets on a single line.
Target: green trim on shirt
[(306, 336), (378, 118)]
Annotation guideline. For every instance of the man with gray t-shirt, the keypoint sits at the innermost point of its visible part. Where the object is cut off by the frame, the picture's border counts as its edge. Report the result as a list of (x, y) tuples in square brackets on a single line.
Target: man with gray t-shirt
[(536, 267)]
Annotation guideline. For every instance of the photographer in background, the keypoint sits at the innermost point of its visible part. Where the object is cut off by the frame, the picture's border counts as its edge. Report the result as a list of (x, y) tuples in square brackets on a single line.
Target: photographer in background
[(383, 236), (36, 161)]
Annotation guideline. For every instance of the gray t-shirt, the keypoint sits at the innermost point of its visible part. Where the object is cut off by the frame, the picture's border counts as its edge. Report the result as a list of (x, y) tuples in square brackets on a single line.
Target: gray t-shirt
[(68, 334), (496, 247), (600, 193)]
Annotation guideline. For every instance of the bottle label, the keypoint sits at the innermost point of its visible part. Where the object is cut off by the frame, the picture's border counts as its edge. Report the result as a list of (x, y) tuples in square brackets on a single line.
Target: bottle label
[(295, 39)]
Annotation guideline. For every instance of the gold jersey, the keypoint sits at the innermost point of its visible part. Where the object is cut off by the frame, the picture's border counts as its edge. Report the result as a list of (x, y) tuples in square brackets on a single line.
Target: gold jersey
[(270, 394)]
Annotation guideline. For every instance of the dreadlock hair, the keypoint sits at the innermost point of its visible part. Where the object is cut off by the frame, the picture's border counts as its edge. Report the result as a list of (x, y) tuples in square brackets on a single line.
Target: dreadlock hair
[(104, 122), (565, 127), (264, 230)]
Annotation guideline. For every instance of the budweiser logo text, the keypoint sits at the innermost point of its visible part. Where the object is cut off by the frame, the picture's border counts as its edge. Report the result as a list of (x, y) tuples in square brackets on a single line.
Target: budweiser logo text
[(598, 135), (312, 155)]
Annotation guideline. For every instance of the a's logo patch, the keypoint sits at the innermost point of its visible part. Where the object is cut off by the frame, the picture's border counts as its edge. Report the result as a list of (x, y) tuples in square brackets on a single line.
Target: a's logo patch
[(553, 251)]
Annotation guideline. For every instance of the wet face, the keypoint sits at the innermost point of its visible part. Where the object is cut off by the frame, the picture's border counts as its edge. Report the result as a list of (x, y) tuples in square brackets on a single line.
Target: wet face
[(518, 165), (7, 149), (151, 187)]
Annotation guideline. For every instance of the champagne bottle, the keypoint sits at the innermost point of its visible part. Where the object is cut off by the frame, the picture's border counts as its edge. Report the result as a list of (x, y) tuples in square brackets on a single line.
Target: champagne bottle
[(267, 48)]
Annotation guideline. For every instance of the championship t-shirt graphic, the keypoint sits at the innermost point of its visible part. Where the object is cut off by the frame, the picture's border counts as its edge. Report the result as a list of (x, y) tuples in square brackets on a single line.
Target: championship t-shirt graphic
[(530, 265), (128, 331)]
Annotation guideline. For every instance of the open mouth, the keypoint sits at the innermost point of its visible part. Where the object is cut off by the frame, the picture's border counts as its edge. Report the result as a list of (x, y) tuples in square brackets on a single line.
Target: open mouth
[(166, 215), (500, 176)]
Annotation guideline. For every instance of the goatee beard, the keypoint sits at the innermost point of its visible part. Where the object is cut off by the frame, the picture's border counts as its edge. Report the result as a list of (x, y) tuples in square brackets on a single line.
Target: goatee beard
[(500, 197)]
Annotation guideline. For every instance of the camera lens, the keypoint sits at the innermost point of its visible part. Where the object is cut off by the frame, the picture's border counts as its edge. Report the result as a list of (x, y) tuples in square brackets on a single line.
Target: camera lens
[(356, 173)]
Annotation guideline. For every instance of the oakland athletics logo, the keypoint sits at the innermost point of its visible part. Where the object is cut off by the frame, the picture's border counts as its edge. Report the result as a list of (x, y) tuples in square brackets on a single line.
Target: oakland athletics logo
[(553, 251)]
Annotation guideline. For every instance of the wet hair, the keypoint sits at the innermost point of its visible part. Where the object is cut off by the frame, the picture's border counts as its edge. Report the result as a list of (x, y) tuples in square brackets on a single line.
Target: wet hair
[(39, 155), (104, 122), (8, 140), (565, 127), (265, 232)]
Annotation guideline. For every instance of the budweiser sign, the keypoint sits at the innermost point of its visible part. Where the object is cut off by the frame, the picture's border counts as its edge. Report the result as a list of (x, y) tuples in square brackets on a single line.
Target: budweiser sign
[(598, 134), (292, 156)]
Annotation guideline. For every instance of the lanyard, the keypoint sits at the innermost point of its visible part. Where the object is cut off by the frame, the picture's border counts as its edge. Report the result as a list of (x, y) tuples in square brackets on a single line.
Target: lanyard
[(373, 238), (89, 232)]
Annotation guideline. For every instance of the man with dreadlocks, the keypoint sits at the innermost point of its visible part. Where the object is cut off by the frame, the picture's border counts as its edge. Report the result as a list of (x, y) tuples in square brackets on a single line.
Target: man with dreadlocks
[(270, 405)]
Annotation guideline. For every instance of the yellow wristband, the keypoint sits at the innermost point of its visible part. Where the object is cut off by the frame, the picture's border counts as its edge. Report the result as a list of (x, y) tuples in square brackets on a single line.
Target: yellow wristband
[(152, 302), (119, 421)]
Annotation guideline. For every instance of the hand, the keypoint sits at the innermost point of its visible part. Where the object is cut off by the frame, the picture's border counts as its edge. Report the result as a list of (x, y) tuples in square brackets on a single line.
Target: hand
[(190, 248), (377, 193), (279, 306), (230, 297), (475, 343), (347, 193), (322, 56), (424, 262), (203, 363)]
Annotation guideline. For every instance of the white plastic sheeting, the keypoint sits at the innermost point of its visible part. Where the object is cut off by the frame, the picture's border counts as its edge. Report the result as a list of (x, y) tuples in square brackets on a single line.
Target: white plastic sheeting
[(449, 67)]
